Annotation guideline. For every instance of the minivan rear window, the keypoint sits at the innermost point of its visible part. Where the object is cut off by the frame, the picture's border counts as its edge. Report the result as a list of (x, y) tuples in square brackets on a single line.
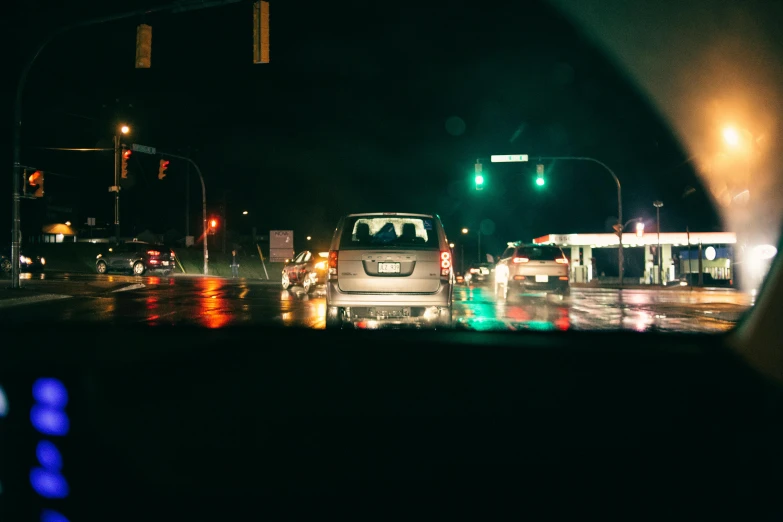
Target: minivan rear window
[(396, 231), (540, 253)]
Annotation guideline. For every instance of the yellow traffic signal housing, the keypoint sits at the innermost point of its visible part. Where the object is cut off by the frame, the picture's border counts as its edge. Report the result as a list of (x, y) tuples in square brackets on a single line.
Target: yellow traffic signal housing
[(164, 164), (126, 154), (36, 182), (260, 32), (143, 46)]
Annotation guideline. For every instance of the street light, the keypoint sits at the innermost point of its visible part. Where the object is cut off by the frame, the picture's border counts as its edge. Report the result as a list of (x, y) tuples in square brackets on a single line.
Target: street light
[(464, 230), (658, 205), (122, 129), (244, 212), (67, 223), (309, 238), (731, 136), (451, 245)]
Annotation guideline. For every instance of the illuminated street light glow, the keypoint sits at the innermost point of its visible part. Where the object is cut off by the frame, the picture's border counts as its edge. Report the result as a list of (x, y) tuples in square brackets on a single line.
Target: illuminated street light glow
[(731, 136), (125, 129), (451, 245), (67, 223), (244, 212), (309, 238), (464, 230)]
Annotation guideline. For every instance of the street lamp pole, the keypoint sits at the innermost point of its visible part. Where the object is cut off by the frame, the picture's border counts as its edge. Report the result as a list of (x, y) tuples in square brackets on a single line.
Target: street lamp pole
[(658, 205)]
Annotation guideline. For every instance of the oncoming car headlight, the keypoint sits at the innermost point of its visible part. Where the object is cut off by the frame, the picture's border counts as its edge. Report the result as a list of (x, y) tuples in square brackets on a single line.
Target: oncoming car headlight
[(25, 260)]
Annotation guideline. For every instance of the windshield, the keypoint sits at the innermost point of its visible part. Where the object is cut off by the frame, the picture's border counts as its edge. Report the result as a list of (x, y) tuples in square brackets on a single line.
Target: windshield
[(557, 174)]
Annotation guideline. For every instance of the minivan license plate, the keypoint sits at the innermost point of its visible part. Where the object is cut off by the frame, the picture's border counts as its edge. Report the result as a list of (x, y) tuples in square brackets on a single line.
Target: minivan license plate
[(542, 279), (388, 268)]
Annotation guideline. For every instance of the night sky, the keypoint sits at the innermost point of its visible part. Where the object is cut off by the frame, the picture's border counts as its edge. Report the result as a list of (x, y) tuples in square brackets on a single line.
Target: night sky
[(362, 108)]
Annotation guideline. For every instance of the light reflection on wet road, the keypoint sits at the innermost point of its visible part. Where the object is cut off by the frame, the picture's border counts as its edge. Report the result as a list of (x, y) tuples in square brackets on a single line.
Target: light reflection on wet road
[(214, 303)]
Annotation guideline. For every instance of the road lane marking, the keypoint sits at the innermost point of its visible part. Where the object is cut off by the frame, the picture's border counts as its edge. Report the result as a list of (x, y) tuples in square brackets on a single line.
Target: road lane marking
[(130, 287), (30, 299)]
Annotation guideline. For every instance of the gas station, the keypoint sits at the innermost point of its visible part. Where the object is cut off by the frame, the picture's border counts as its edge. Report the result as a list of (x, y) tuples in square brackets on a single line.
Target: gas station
[(705, 252)]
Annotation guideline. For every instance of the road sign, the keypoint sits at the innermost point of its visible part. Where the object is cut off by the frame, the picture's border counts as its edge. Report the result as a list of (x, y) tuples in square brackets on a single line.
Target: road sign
[(281, 245), (509, 158), (143, 148), (90, 222), (281, 239)]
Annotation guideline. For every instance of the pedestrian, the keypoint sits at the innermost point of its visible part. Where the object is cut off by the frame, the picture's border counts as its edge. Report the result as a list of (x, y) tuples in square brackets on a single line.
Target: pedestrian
[(234, 264)]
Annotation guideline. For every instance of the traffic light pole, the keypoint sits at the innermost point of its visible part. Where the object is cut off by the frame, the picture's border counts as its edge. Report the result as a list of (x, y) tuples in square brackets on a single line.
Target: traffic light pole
[(16, 132), (205, 230), (620, 254), (117, 186)]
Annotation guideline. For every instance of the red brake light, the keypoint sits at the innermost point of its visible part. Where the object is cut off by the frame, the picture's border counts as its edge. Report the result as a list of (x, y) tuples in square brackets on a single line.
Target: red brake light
[(521, 259), (153, 253), (562, 260), (333, 263), (445, 263)]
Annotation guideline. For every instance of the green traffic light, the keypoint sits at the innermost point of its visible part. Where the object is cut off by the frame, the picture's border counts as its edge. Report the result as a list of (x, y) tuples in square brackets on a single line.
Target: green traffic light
[(479, 179), (540, 181)]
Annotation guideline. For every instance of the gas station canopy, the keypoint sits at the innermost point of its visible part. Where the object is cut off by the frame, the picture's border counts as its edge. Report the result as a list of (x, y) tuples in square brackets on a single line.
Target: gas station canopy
[(630, 239)]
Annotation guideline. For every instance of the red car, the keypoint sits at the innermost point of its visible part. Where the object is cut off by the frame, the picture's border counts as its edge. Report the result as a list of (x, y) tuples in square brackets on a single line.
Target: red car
[(307, 270)]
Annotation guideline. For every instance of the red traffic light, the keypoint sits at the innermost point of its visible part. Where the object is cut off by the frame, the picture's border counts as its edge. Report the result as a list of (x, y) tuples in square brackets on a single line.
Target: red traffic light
[(213, 223), (126, 154)]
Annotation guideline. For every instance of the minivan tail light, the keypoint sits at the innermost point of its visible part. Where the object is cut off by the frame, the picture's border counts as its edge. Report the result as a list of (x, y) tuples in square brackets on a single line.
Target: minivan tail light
[(562, 260), (521, 259), (445, 263), (333, 263), (153, 252)]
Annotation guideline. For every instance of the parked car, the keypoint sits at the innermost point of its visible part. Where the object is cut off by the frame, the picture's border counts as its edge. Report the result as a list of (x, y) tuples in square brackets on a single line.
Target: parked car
[(307, 269), (533, 267), (389, 268), (136, 257), (28, 261)]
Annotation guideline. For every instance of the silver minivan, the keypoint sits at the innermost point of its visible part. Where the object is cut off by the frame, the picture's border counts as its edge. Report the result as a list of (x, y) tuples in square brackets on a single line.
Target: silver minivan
[(389, 268)]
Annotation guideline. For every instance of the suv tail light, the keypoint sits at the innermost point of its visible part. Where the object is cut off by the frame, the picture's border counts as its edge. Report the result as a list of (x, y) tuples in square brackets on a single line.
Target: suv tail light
[(521, 259), (445, 263), (562, 260), (153, 252), (333, 264)]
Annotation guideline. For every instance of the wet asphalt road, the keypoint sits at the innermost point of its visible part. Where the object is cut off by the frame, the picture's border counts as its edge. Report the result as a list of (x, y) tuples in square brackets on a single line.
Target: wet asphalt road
[(215, 302)]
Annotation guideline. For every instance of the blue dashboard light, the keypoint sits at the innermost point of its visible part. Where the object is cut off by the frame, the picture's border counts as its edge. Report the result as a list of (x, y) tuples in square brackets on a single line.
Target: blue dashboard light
[(49, 421), (49, 456), (49, 515), (48, 484), (51, 392), (3, 403)]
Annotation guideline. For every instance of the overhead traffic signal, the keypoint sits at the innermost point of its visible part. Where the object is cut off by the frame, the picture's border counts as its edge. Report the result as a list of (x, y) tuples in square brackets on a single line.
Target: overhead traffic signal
[(126, 154), (35, 183), (213, 223), (143, 46), (164, 164), (479, 179), (540, 181)]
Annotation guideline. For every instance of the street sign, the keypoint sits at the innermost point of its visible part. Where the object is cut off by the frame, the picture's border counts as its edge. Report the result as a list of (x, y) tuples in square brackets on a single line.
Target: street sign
[(281, 245), (143, 148), (90, 222), (507, 158)]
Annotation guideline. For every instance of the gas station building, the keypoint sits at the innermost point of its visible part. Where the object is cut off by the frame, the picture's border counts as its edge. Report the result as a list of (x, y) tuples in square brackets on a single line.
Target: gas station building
[(716, 257)]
